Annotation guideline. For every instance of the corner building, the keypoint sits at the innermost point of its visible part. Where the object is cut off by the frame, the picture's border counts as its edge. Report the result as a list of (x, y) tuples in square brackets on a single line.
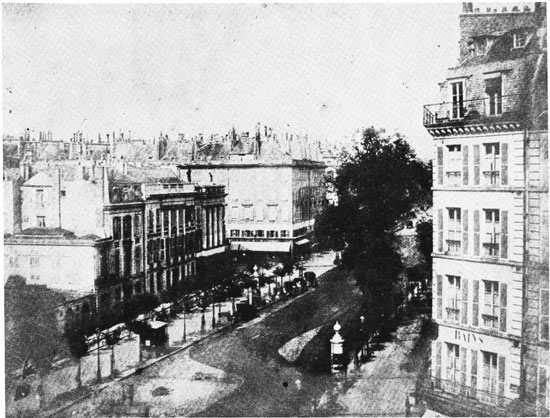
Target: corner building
[(490, 261)]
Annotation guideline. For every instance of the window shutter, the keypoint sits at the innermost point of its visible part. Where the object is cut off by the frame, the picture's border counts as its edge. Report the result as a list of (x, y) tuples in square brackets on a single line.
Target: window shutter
[(439, 301), (465, 231), (438, 364), (504, 234), (440, 165), (465, 165), (503, 300), (440, 230), (473, 370), (501, 374), (464, 301), (475, 303), (476, 232), (476, 165), (463, 366), (504, 164)]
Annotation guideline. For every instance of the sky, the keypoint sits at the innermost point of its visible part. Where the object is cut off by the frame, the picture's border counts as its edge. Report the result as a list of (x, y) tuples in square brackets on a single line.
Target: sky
[(322, 69)]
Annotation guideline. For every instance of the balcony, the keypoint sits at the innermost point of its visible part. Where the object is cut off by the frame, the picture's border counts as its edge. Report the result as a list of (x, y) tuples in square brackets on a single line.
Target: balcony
[(152, 189), (473, 116)]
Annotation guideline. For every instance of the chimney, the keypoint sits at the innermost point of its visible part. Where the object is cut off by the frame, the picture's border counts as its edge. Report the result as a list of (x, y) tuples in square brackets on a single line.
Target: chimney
[(107, 138)]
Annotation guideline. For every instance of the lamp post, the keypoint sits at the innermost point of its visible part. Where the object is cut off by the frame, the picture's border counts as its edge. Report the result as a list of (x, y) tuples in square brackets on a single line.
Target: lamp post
[(213, 310), (364, 338), (301, 267), (184, 323), (256, 276)]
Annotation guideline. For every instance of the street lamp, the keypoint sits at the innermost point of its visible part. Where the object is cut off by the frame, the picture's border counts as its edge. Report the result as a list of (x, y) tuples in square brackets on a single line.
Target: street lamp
[(337, 350), (301, 267)]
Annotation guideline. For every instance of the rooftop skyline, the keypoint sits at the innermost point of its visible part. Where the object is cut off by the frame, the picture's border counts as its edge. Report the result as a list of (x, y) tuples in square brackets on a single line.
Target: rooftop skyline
[(323, 69)]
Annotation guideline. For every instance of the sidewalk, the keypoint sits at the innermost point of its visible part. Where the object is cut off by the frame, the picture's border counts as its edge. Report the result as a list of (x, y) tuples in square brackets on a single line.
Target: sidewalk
[(380, 386)]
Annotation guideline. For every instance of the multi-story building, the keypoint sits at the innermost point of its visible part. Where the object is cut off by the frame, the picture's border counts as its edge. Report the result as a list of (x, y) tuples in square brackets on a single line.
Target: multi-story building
[(94, 232), (272, 202), (490, 257)]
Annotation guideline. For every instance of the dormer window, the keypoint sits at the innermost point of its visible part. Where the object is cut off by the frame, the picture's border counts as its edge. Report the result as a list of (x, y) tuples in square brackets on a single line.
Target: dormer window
[(481, 46), (519, 40)]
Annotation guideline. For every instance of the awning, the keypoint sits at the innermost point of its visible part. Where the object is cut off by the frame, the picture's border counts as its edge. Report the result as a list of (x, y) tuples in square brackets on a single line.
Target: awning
[(302, 241), (265, 246)]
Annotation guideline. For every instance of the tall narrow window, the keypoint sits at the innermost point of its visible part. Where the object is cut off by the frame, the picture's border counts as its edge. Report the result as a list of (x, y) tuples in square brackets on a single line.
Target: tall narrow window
[(543, 315), (457, 89), (519, 39), (39, 197), (489, 375), (41, 221), (453, 367), (454, 231), (453, 298), (491, 164), (491, 236), (493, 89), (454, 165), (491, 306)]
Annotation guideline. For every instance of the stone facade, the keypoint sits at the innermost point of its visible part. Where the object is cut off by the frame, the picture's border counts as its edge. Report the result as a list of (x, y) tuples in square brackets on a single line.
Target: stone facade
[(490, 258)]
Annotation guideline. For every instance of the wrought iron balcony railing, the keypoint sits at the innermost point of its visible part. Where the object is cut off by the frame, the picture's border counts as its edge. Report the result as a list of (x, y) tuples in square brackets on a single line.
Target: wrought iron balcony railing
[(483, 110)]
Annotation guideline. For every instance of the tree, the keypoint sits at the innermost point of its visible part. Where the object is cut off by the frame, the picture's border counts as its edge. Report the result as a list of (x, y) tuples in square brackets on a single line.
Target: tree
[(380, 183), (32, 332)]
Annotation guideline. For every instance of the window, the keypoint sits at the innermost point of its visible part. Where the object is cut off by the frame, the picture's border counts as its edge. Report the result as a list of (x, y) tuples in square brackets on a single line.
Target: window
[(116, 227), (491, 163), (248, 212), (40, 197), (491, 304), (235, 233), (481, 46), (34, 262), (453, 362), (519, 39), (234, 213), (272, 213), (247, 234), (491, 234), (272, 234), (137, 227), (63, 193), (542, 387), (453, 298), (457, 91), (260, 233), (285, 234), (180, 221), (454, 164), (157, 220), (127, 227), (454, 231), (489, 372), (151, 222), (41, 221), (543, 315), (493, 89)]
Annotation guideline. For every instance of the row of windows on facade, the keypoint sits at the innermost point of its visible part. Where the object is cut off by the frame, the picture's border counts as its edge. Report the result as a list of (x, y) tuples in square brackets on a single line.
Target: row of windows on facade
[(480, 45), (162, 280), (491, 232), (487, 384), (493, 104), (464, 375), (490, 165), (488, 303), (249, 212), (259, 233), (158, 250)]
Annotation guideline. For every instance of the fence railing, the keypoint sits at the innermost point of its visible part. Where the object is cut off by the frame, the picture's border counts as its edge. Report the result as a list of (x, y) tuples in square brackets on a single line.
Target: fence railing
[(502, 108)]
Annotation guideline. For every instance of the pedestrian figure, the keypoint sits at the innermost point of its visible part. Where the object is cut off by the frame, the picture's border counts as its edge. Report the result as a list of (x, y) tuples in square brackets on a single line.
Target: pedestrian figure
[(285, 384), (356, 359)]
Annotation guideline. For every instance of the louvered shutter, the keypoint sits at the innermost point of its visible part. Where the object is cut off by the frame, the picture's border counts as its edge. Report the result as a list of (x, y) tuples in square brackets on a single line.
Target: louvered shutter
[(503, 302), (475, 303), (501, 374), (440, 230), (465, 179), (439, 298), (465, 231), (476, 165), (464, 307), (504, 234), (473, 373), (438, 364), (476, 233), (463, 367), (504, 164), (440, 165)]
